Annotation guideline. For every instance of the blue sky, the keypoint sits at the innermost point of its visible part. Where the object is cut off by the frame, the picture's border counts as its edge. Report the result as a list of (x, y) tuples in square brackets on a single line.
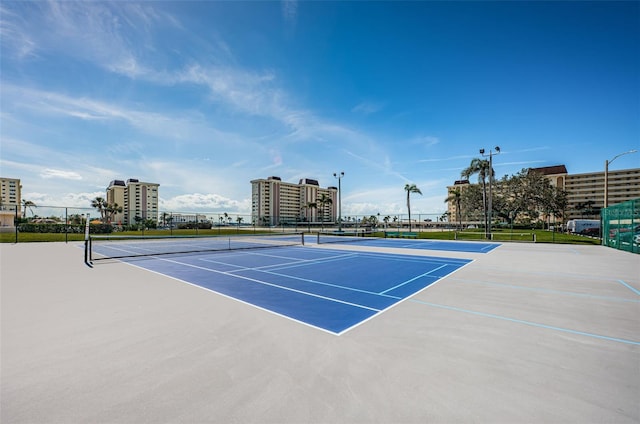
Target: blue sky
[(202, 97)]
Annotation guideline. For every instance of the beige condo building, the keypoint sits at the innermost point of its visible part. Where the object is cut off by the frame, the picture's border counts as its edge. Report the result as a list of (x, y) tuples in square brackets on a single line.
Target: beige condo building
[(586, 191), (137, 199), (275, 202), (10, 200)]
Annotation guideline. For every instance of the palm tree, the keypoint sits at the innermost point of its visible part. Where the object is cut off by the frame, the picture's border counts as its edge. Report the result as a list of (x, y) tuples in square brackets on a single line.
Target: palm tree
[(455, 196), (28, 204), (480, 167), (324, 201), (410, 188), (308, 207), (100, 204), (111, 210)]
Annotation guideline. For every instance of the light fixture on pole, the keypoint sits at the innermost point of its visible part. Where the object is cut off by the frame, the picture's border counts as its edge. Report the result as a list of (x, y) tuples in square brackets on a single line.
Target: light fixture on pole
[(339, 177), (606, 175), (490, 205)]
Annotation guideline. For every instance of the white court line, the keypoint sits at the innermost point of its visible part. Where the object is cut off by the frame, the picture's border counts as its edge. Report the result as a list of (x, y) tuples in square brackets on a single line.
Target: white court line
[(270, 284)]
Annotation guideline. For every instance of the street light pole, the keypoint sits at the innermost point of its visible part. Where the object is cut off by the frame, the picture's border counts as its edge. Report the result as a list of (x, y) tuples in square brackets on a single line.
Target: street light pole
[(339, 177), (606, 175), (490, 206)]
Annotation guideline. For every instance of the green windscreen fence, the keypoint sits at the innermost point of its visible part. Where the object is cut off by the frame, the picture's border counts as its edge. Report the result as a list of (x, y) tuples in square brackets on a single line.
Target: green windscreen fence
[(621, 226)]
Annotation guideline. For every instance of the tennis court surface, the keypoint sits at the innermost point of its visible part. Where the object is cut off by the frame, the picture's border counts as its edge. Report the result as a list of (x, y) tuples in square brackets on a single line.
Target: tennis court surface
[(523, 333), (330, 290)]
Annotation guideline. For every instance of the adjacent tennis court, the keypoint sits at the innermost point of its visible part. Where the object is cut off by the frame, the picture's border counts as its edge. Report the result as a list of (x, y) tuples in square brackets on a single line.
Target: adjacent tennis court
[(422, 244), (331, 290)]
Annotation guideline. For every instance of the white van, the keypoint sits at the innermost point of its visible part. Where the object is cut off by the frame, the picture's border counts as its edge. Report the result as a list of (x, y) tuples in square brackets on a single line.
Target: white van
[(579, 226)]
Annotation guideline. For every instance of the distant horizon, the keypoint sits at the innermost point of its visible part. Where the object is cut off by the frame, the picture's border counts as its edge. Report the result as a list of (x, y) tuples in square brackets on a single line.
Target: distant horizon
[(202, 97)]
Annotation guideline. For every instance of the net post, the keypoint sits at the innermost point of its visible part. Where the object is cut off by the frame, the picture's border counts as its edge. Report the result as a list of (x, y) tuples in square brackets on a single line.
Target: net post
[(302, 238), (318, 242), (88, 260)]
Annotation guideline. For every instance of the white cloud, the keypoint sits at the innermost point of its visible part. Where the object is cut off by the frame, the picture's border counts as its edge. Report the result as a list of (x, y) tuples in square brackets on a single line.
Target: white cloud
[(206, 203), (57, 173)]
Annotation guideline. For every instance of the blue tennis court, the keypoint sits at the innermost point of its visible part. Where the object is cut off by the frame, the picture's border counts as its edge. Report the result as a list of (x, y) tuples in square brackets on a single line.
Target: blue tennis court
[(327, 289), (423, 244)]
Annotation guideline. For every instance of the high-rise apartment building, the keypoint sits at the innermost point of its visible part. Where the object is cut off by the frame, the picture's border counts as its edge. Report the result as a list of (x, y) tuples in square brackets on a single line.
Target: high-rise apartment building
[(275, 202), (586, 191), (137, 199), (10, 200)]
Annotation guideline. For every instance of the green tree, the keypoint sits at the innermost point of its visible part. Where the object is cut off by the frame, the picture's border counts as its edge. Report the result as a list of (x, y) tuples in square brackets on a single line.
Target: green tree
[(100, 204), (527, 195), (472, 203), (410, 188), (76, 219), (111, 210), (324, 201), (481, 168), (308, 207), (28, 205), (455, 196)]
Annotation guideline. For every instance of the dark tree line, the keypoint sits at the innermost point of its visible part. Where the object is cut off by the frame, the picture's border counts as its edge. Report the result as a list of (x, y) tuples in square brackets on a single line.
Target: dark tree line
[(527, 196)]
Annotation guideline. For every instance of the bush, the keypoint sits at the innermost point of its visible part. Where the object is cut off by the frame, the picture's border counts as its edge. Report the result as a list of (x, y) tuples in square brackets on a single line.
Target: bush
[(193, 226)]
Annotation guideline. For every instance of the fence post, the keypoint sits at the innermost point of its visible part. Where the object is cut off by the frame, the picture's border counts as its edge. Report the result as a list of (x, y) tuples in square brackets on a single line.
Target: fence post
[(15, 224)]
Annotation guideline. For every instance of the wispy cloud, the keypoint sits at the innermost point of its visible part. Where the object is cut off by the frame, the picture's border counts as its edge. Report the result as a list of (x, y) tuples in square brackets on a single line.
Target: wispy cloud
[(60, 174), (426, 141), (12, 36), (367, 108), (447, 159)]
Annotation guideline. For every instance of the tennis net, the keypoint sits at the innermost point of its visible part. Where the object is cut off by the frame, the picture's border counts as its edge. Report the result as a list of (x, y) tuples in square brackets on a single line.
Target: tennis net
[(101, 247), (344, 236)]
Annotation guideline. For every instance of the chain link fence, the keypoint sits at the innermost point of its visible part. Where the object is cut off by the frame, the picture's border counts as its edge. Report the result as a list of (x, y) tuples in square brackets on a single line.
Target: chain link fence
[(35, 223)]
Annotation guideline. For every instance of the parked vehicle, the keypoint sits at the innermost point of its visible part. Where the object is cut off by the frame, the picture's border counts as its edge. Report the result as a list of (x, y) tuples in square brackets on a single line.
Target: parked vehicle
[(579, 226)]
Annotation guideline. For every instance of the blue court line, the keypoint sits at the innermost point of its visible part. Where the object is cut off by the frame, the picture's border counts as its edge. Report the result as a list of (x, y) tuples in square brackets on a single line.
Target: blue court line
[(533, 324), (629, 287), (552, 273), (551, 291), (413, 279)]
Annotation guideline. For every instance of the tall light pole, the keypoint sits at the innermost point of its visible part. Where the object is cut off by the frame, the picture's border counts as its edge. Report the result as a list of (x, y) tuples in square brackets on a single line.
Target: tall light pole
[(339, 177), (490, 206), (606, 175)]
